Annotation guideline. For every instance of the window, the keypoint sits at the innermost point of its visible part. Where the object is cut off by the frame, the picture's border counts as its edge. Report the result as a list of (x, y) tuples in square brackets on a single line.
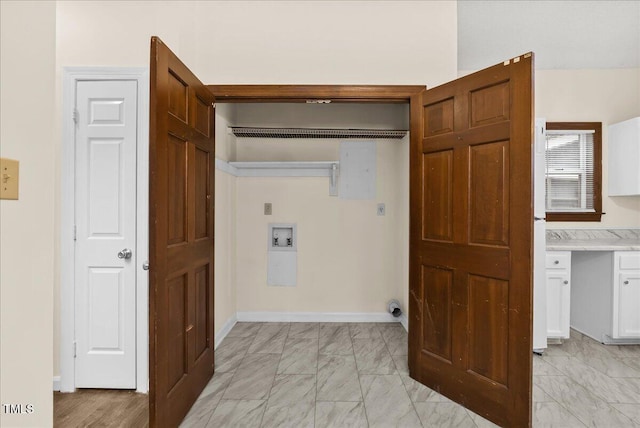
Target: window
[(574, 171)]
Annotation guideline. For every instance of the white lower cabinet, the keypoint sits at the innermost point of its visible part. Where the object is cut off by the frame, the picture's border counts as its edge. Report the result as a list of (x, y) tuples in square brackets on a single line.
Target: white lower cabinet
[(605, 295), (626, 294), (558, 272)]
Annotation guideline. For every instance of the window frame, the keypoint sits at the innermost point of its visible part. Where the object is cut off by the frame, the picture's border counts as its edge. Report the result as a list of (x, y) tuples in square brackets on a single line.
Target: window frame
[(597, 172)]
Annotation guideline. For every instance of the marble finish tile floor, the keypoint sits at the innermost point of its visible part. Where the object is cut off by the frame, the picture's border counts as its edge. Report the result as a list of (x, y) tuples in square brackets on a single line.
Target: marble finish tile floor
[(356, 375)]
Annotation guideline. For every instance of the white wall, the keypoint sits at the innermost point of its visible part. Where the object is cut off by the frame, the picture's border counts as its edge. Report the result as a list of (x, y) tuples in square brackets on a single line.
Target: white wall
[(296, 115), (349, 259), (332, 115), (607, 96), (225, 222), (115, 33), (313, 42), (226, 116), (328, 42), (27, 134)]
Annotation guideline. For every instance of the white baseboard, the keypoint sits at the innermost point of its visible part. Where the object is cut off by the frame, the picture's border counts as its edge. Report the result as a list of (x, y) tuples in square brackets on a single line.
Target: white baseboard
[(316, 317), (56, 383), (226, 328), (404, 321)]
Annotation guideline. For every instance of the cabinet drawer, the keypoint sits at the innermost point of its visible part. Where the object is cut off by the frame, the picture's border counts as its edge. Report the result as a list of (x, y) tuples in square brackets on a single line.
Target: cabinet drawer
[(561, 260), (629, 260)]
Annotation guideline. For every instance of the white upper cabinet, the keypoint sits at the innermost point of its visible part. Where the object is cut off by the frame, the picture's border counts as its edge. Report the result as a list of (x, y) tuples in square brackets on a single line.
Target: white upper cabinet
[(624, 158)]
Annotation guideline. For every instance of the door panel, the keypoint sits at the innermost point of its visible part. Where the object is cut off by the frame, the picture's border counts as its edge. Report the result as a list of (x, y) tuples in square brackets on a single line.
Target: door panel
[(105, 216), (181, 237), (489, 193), (471, 241), (437, 310), (177, 195), (488, 324), (105, 288), (106, 162), (558, 295), (628, 314), (490, 104), (438, 118), (202, 327), (438, 196), (201, 193)]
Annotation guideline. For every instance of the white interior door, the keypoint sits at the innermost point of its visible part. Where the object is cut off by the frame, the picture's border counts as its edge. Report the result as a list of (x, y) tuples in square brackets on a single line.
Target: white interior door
[(105, 215)]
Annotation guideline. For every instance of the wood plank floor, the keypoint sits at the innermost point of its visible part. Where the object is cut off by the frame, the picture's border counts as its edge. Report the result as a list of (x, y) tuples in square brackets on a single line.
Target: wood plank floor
[(100, 408)]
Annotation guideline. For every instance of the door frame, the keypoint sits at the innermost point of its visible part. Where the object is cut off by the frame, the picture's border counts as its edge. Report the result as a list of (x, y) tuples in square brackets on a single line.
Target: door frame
[(72, 75), (390, 94)]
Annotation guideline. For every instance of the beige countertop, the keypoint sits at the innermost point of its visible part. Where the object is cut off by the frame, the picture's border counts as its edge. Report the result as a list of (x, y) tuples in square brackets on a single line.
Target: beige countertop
[(593, 239)]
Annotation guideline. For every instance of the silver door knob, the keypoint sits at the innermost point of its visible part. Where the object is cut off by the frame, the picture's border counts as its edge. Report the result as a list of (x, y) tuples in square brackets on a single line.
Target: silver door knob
[(566, 282), (626, 283), (125, 254)]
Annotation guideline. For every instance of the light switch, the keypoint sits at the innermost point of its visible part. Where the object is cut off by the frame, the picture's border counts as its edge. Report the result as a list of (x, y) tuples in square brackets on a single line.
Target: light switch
[(381, 209), (267, 208), (9, 174)]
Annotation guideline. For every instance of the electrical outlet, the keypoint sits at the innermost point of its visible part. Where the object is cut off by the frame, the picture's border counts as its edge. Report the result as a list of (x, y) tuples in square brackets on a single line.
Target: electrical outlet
[(267, 208), (381, 209)]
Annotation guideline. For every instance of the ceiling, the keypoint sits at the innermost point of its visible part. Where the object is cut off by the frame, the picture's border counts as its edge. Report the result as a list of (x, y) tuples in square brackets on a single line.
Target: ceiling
[(562, 34)]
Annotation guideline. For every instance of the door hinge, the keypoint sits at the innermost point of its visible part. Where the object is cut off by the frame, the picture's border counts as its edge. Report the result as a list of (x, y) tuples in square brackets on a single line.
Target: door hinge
[(75, 232), (75, 115), (213, 105), (74, 349)]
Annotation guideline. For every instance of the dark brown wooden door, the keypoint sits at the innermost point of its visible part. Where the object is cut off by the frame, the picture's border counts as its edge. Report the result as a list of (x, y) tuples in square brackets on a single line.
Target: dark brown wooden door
[(471, 241), (181, 237)]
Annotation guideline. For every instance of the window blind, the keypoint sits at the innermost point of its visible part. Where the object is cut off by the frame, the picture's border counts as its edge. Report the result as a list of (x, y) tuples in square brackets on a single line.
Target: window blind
[(569, 171)]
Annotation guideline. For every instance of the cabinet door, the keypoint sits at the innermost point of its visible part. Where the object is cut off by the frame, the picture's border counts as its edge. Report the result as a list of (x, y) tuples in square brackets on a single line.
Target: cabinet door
[(558, 309), (629, 304)]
